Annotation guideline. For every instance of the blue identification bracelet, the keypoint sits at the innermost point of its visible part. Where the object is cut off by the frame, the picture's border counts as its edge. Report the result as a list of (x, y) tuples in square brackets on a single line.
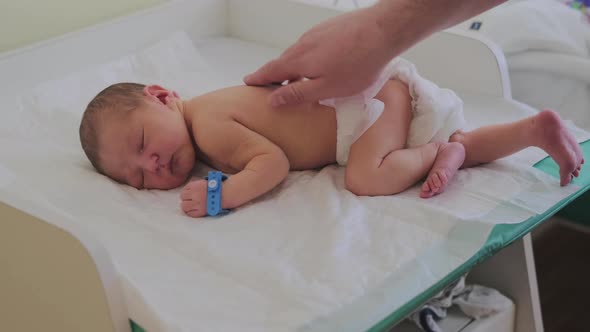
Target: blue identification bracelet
[(214, 180)]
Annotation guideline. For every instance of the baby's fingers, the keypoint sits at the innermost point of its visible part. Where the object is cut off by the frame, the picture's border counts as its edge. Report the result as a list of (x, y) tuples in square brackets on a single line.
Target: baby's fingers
[(195, 213), (186, 194), (187, 206), (191, 186), (191, 209)]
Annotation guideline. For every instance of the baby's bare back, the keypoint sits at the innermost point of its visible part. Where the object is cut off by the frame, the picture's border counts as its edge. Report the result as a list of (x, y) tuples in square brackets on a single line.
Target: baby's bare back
[(306, 133)]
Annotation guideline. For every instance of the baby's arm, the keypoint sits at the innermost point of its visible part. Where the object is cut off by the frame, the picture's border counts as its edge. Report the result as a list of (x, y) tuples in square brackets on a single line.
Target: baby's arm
[(262, 165)]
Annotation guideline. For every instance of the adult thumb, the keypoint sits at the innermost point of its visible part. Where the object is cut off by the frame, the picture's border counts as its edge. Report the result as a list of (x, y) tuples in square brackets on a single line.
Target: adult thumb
[(272, 72), (298, 92)]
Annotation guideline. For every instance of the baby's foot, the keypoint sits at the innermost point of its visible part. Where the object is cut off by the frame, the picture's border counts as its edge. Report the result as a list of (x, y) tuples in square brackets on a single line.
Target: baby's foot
[(560, 144), (449, 158)]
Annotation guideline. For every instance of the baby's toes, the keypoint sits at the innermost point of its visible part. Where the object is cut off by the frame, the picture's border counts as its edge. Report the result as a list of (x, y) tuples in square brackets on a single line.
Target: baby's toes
[(566, 169), (565, 179), (442, 175), (426, 192), (435, 182), (578, 150)]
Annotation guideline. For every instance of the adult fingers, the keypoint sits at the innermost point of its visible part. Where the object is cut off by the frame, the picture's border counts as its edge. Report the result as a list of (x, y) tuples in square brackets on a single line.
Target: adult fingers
[(299, 92), (272, 72)]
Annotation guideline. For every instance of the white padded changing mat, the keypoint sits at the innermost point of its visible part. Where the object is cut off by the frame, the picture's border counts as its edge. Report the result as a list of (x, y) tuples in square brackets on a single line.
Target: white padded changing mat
[(307, 256)]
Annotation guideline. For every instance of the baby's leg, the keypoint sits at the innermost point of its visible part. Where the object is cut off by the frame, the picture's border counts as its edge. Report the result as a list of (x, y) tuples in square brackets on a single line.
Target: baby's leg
[(544, 130), (378, 164)]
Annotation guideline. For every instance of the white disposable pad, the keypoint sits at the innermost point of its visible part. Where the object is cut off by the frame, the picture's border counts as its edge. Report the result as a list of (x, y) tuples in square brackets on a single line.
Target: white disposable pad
[(307, 256)]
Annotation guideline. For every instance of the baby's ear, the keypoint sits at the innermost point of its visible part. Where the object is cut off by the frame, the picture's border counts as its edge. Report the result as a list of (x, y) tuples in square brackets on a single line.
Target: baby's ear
[(158, 92)]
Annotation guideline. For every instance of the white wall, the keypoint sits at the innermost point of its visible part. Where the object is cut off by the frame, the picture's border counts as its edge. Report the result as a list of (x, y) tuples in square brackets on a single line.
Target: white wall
[(25, 21)]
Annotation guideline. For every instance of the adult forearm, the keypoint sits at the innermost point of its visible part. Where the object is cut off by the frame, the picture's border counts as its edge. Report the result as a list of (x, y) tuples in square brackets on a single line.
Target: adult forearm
[(405, 22)]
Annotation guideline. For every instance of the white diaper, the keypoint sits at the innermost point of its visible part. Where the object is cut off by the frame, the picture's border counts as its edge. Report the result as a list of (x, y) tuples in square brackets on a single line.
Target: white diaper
[(436, 113)]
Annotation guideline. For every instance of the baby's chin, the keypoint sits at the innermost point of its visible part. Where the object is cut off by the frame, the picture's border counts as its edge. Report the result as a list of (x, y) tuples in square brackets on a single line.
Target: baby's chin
[(183, 172), (169, 184), (181, 180), (174, 181)]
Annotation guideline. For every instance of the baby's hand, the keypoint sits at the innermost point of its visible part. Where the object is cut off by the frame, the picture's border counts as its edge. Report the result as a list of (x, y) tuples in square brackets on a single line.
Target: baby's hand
[(193, 199)]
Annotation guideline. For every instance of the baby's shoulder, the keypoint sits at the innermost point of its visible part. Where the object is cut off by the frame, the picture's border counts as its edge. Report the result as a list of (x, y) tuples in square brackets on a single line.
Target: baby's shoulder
[(213, 136), (211, 124)]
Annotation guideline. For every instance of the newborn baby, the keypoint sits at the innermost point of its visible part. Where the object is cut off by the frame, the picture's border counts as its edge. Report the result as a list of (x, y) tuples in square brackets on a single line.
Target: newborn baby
[(398, 131)]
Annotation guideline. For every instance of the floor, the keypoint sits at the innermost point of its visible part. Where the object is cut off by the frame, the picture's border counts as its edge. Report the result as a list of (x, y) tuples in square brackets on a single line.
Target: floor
[(562, 258)]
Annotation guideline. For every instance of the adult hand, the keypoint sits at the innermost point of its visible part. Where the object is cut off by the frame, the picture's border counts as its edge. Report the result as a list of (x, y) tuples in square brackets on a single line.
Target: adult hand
[(343, 55), (338, 57)]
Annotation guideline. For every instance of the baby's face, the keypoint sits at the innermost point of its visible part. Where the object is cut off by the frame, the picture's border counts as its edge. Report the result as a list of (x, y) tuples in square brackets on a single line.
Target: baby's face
[(149, 148)]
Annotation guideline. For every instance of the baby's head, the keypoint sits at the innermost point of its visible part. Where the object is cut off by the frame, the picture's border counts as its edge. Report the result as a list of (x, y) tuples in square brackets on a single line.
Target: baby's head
[(137, 135)]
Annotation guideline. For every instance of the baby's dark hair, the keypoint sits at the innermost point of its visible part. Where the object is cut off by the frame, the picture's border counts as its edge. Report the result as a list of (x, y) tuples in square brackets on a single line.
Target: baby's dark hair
[(116, 98)]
